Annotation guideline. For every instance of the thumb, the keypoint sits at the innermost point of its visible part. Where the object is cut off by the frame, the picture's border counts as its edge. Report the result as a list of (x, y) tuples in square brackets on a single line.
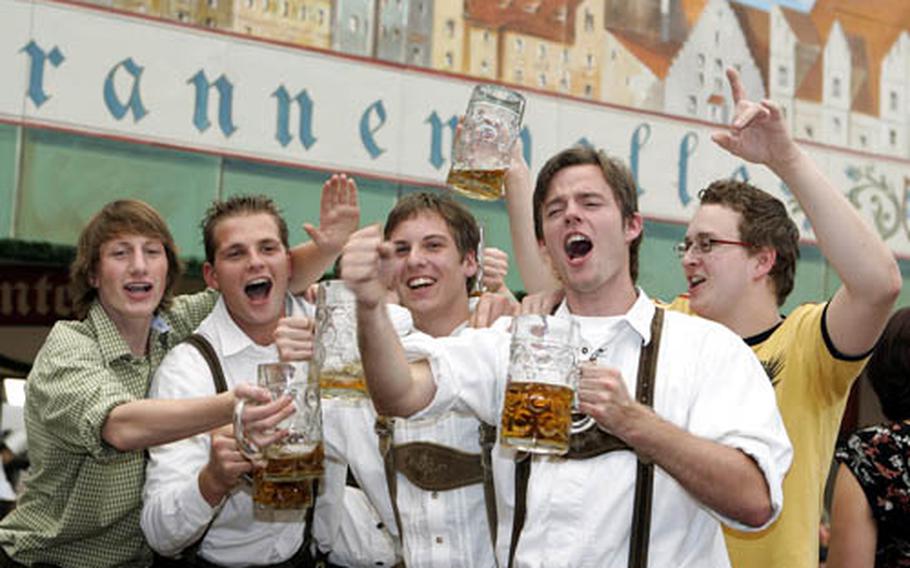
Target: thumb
[(312, 231)]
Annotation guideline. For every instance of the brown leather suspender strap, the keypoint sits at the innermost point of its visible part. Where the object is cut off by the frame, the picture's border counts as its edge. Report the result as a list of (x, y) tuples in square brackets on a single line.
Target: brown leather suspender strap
[(487, 441), (384, 426), (644, 481)]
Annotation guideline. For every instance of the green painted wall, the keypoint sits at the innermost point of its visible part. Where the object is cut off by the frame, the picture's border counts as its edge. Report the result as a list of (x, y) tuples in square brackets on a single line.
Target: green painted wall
[(65, 178)]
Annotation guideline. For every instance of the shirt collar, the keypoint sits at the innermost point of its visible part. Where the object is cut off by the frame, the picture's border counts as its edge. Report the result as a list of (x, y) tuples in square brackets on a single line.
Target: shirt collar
[(638, 317), (225, 331), (110, 342)]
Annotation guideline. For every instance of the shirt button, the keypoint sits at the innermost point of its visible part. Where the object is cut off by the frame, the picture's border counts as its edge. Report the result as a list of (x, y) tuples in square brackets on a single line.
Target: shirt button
[(584, 350), (438, 540), (434, 495)]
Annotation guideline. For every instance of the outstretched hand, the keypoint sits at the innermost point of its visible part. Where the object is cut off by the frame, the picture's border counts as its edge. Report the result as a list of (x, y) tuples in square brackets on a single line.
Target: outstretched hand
[(758, 132), (339, 214), (366, 266)]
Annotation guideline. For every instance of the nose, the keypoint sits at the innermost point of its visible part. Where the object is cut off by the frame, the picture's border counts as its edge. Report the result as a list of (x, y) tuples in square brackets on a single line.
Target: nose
[(572, 212), (138, 262), (256, 259), (415, 257)]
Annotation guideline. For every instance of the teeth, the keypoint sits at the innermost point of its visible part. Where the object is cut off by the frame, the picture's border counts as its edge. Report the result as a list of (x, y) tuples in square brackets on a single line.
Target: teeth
[(695, 280), (419, 281), (257, 281), (575, 239), (138, 287)]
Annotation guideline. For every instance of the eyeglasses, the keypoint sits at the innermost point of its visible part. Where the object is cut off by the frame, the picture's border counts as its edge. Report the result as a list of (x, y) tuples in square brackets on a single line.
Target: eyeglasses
[(704, 245)]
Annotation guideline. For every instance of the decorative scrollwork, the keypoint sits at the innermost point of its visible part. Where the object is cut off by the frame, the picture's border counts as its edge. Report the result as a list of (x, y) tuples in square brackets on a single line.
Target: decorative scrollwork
[(873, 192)]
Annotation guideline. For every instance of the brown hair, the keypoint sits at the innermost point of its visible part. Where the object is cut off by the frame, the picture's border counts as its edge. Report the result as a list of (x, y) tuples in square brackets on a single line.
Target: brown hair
[(615, 173), (457, 217), (121, 217), (232, 207), (764, 222)]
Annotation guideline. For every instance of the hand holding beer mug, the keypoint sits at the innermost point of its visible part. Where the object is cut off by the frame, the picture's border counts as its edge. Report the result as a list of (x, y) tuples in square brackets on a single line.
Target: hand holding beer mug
[(537, 412), (481, 153), (336, 359), (297, 456)]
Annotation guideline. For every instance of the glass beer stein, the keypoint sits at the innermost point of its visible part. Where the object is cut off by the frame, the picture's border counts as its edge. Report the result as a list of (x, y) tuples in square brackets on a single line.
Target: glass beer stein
[(298, 456), (482, 151), (270, 498), (537, 411), (336, 359)]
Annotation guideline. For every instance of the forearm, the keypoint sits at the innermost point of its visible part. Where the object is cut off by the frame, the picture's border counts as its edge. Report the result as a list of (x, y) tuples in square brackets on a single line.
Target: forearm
[(721, 477), (393, 388), (854, 533), (861, 259), (532, 266), (140, 424), (309, 262)]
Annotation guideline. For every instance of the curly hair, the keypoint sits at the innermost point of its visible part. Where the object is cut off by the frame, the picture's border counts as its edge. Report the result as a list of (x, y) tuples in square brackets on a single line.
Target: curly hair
[(121, 217), (763, 222)]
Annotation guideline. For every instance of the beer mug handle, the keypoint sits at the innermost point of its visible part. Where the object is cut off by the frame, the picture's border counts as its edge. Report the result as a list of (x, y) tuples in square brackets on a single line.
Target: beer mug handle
[(247, 447)]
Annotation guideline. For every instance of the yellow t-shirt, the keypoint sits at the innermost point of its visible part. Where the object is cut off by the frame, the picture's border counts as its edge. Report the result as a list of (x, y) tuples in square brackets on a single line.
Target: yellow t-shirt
[(812, 384)]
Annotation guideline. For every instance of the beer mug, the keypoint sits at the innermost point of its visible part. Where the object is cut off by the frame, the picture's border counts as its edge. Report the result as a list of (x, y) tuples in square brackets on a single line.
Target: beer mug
[(336, 359), (537, 411), (482, 151), (270, 497), (299, 455)]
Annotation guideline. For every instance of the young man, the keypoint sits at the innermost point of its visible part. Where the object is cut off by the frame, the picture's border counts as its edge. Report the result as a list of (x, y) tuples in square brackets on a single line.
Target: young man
[(443, 516), (85, 417), (193, 492), (739, 258), (714, 434)]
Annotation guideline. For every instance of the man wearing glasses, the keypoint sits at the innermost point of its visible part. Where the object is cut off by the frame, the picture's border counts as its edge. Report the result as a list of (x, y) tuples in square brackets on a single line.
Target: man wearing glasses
[(739, 258)]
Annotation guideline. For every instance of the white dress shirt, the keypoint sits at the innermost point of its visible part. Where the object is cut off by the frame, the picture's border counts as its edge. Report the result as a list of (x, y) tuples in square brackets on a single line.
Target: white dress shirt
[(708, 382), (441, 528), (174, 513)]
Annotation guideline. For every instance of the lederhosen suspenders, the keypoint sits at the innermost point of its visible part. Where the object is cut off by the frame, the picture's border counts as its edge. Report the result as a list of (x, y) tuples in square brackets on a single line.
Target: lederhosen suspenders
[(433, 467), (189, 555), (594, 442)]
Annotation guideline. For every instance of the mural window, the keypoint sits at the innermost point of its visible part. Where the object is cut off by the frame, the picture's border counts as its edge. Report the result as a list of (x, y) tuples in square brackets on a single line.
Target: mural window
[(415, 54), (485, 67), (613, 54), (320, 17), (700, 60), (561, 14), (250, 3), (486, 36), (589, 61), (302, 13), (835, 87), (265, 5), (836, 124), (450, 28), (589, 90), (209, 23), (863, 141), (892, 137), (564, 81), (701, 79), (285, 9), (565, 55), (718, 65), (354, 23), (893, 101), (810, 132), (519, 44), (691, 104), (213, 3), (532, 7), (783, 76), (716, 37), (542, 80), (519, 75), (589, 21), (541, 52), (718, 85), (449, 59), (181, 16), (421, 8)]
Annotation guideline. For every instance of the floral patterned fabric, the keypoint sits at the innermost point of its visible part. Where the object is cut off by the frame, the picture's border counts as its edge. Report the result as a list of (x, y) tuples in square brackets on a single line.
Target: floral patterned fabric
[(878, 457)]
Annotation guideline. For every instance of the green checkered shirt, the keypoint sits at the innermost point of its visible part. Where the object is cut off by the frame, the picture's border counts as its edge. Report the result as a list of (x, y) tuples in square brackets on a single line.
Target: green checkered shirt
[(82, 501)]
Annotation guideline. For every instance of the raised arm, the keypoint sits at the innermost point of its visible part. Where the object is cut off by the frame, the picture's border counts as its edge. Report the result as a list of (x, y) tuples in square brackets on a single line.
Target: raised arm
[(396, 387), (533, 264), (867, 269), (339, 216)]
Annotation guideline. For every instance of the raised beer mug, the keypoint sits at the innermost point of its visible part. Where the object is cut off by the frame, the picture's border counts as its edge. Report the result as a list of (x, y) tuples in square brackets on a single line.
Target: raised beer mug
[(336, 359), (482, 151), (537, 411), (299, 455)]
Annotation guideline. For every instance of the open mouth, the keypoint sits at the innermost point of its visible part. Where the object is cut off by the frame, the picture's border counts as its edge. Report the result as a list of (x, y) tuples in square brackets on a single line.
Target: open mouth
[(420, 282), (578, 246), (258, 289), (694, 281), (139, 288)]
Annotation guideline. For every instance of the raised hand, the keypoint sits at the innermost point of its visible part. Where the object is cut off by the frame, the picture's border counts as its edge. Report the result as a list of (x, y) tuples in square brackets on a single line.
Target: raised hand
[(542, 303), (495, 268), (294, 338), (490, 307), (758, 132), (339, 214), (366, 266)]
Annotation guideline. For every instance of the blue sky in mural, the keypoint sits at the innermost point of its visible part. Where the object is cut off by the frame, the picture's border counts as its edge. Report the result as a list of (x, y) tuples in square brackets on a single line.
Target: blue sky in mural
[(802, 5)]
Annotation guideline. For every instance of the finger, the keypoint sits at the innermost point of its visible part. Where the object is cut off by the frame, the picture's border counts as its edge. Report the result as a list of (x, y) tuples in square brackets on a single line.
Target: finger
[(386, 251), (263, 439), (773, 109), (350, 194), (482, 313), (268, 415), (736, 85), (725, 140), (253, 393), (312, 232), (753, 113)]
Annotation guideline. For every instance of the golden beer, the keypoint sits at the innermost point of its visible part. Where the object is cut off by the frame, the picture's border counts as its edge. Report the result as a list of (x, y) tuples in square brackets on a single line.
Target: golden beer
[(344, 383), (537, 417), (281, 495), (292, 463), (485, 185)]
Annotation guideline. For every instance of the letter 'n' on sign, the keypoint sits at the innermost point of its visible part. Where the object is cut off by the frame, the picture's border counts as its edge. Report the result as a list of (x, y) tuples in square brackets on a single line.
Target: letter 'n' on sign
[(225, 91), (283, 117)]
